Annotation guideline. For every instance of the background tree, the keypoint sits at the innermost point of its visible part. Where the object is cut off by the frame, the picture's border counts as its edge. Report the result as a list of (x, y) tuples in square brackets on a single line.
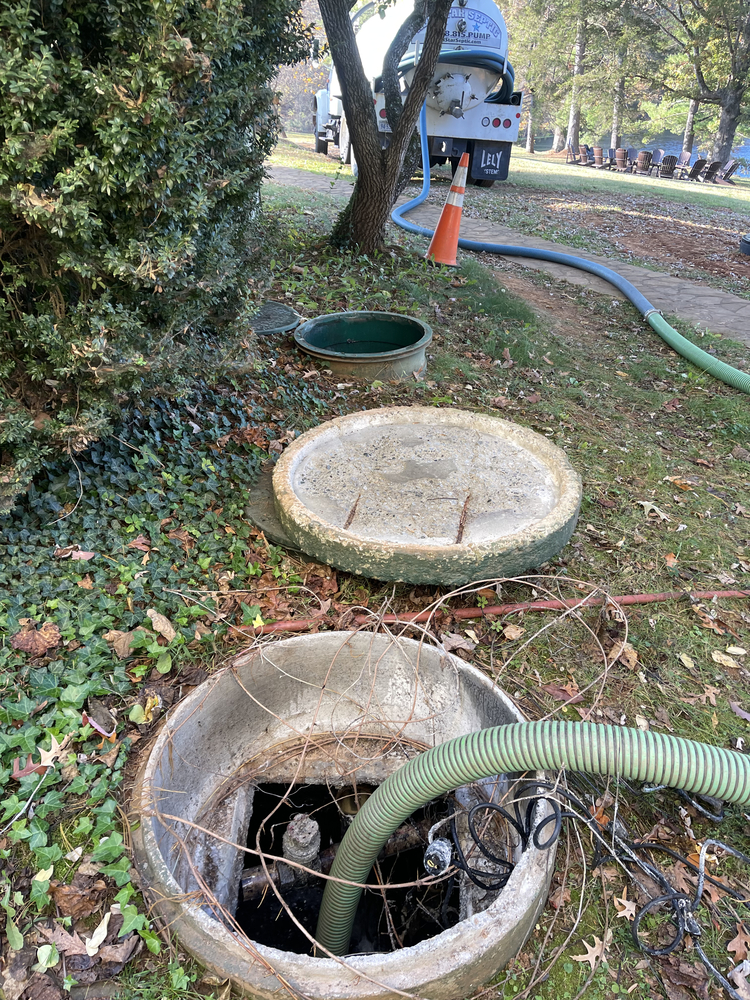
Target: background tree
[(134, 139), (713, 38), (362, 223)]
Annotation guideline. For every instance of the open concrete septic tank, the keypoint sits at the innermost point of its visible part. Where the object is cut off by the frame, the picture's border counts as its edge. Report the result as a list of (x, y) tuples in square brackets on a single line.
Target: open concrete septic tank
[(326, 718), (425, 495), (367, 345)]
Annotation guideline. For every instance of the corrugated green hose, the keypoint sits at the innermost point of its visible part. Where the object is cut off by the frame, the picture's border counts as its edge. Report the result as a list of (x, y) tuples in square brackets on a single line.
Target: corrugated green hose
[(524, 746), (701, 359)]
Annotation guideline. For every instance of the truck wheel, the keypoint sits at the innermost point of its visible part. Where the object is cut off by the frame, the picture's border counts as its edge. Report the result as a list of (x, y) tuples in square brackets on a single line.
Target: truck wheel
[(345, 142), (484, 182)]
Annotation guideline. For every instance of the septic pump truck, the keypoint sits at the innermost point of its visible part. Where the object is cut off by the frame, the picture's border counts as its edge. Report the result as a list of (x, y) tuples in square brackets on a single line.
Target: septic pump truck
[(471, 104)]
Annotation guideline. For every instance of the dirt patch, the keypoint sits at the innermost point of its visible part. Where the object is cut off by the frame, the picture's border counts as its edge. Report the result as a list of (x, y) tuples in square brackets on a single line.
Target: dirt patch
[(679, 243)]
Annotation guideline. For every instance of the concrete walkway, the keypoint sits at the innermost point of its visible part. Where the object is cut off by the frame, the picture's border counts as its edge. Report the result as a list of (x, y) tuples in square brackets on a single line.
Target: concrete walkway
[(710, 308)]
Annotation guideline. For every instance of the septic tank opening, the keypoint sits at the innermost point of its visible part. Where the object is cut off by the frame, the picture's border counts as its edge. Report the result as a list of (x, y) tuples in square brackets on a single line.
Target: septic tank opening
[(415, 911)]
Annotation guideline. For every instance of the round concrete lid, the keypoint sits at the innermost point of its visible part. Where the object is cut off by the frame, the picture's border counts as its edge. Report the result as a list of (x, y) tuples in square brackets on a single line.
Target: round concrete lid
[(426, 495)]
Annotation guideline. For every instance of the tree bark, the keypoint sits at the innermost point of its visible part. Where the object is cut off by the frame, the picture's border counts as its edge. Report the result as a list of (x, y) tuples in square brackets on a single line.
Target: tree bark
[(731, 109), (689, 137), (574, 119), (617, 106), (362, 223), (558, 140)]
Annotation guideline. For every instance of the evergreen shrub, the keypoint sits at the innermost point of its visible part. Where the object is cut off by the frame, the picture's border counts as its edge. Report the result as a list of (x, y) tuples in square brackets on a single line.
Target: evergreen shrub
[(132, 140)]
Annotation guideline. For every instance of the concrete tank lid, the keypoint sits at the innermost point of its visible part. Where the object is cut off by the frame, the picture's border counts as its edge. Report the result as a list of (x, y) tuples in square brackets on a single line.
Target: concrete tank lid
[(424, 483)]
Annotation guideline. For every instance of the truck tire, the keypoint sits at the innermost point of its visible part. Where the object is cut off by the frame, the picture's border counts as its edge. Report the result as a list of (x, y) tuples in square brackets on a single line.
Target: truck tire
[(345, 141), (483, 182)]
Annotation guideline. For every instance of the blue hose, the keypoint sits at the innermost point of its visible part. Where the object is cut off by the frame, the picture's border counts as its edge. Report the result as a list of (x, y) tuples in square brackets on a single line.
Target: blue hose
[(706, 362)]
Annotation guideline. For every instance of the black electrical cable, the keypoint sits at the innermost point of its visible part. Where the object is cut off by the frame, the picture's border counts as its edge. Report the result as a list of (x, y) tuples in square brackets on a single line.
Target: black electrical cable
[(625, 851)]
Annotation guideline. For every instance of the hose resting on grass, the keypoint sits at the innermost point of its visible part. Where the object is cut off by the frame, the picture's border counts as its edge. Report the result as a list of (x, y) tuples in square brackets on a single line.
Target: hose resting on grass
[(524, 746), (701, 359)]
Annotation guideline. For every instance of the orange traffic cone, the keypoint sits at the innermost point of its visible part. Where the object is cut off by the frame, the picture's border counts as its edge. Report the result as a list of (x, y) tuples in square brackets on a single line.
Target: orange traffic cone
[(444, 242)]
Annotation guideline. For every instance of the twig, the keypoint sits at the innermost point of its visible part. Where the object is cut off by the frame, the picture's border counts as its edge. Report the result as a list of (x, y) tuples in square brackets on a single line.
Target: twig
[(25, 806), (352, 512), (139, 450), (80, 491), (462, 519)]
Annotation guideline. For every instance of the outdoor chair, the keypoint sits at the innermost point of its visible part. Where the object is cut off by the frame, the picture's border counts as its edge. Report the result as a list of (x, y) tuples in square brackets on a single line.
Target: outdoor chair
[(694, 172), (683, 161), (656, 157), (599, 163), (667, 166), (621, 160), (570, 155), (632, 156), (586, 155), (643, 163), (611, 156), (710, 173), (726, 172)]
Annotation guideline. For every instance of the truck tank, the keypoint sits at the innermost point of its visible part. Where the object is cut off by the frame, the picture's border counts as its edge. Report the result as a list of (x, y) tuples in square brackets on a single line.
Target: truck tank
[(471, 104)]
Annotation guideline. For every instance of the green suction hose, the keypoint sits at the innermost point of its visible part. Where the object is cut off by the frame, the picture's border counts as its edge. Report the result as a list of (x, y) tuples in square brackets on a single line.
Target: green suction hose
[(524, 746), (701, 359)]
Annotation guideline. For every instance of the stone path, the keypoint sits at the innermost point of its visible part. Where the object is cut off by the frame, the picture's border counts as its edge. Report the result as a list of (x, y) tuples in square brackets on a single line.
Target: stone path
[(710, 308)]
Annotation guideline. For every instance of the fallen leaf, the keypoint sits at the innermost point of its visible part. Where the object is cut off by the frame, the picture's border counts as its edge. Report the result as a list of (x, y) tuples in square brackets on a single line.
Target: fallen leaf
[(533, 397), (624, 652), (651, 510), (683, 879), (99, 718), (73, 552), (499, 402), (120, 641), (568, 693), (70, 944), (671, 559), (559, 897), (86, 582), (29, 768), (739, 711), (681, 484), (79, 899), (662, 716), (141, 543), (508, 361), (35, 641), (709, 694), (739, 978), (513, 632), (97, 938), (119, 953), (162, 625), (595, 953), (452, 641), (180, 535), (671, 405), (726, 661), (736, 651), (625, 907), (686, 661), (642, 723)]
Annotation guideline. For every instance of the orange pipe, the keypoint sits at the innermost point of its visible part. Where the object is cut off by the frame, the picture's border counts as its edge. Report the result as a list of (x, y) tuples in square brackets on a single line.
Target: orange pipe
[(300, 624)]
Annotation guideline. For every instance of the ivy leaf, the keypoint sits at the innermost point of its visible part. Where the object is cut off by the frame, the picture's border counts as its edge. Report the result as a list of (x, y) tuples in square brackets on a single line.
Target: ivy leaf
[(14, 936), (164, 663), (132, 920)]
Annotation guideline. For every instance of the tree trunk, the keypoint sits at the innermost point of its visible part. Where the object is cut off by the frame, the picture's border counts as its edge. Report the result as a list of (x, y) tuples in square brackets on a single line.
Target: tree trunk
[(558, 140), (689, 136), (574, 119), (617, 106), (363, 221), (731, 109), (529, 125)]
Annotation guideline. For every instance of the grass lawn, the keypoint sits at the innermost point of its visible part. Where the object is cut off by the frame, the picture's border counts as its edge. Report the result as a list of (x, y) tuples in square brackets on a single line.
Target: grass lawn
[(150, 524), (684, 229)]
